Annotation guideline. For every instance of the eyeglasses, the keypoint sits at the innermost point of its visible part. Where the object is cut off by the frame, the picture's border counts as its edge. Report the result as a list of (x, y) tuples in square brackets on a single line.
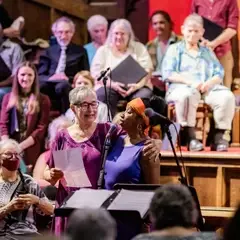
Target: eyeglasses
[(85, 106), (10, 155)]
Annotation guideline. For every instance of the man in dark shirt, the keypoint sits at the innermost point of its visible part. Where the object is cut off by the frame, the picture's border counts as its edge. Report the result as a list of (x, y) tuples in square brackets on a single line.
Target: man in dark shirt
[(225, 14), (60, 62)]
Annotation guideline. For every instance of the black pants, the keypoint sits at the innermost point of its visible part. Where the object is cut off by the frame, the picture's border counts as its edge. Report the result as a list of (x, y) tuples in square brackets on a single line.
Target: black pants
[(114, 97), (58, 93)]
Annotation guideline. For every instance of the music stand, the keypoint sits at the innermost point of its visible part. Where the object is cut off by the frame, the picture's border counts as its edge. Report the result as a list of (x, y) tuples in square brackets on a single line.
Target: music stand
[(153, 187)]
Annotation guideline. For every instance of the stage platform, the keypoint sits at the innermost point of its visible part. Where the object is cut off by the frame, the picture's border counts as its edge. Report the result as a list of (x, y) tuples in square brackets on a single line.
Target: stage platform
[(215, 175)]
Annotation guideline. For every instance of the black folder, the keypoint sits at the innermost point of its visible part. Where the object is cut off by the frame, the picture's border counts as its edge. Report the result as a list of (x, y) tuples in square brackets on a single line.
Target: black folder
[(128, 71), (212, 29), (5, 72)]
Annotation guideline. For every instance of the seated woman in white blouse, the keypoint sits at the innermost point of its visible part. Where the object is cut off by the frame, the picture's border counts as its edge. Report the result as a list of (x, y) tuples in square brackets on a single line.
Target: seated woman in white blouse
[(119, 45)]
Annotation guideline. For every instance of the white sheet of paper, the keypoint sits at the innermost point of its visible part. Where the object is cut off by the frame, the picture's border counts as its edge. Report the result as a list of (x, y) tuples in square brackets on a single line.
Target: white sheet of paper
[(71, 163), (132, 200), (90, 198)]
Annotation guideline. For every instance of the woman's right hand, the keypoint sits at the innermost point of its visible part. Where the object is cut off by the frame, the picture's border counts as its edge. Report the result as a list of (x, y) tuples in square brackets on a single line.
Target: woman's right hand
[(118, 87), (16, 204), (56, 174)]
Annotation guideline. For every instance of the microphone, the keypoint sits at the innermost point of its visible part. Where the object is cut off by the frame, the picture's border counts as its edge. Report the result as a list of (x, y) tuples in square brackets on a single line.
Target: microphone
[(103, 74), (156, 118), (112, 128)]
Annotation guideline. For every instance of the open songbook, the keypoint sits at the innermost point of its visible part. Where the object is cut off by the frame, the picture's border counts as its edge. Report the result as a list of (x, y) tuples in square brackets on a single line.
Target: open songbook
[(119, 200)]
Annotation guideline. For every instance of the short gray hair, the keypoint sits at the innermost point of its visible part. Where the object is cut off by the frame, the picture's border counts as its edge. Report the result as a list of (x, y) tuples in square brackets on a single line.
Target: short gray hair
[(10, 142), (94, 224), (54, 125), (77, 95), (63, 19), (193, 18), (126, 26), (96, 20)]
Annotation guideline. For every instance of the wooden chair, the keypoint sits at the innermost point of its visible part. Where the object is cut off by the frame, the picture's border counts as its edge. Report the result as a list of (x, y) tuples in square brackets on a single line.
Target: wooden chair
[(203, 123)]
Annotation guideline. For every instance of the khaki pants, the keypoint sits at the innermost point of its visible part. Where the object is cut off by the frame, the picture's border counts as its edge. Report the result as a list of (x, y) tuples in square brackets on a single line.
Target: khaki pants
[(227, 62), (186, 100)]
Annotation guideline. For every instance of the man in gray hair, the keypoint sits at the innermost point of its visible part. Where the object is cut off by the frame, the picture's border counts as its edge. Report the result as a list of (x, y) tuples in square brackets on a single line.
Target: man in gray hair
[(59, 63), (97, 26), (91, 224)]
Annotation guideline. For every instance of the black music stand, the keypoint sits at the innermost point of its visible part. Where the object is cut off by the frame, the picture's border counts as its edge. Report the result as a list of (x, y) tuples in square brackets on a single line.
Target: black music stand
[(153, 187)]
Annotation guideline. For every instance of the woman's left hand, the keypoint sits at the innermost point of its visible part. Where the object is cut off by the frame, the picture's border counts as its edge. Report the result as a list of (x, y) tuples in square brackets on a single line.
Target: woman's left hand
[(133, 87), (151, 149), (30, 199)]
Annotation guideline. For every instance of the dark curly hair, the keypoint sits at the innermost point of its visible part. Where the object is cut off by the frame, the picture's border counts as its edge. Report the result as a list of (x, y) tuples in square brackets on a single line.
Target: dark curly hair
[(173, 205)]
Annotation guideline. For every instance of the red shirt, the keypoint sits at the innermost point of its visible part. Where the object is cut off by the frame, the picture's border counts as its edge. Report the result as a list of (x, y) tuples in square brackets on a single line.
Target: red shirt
[(222, 12)]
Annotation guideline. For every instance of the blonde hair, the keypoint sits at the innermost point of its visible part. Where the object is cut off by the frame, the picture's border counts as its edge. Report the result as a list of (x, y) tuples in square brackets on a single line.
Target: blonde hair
[(85, 74), (16, 93), (193, 18), (126, 26)]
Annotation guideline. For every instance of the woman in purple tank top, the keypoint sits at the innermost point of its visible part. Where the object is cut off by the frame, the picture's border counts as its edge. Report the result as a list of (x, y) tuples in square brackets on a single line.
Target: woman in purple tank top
[(88, 136), (126, 162)]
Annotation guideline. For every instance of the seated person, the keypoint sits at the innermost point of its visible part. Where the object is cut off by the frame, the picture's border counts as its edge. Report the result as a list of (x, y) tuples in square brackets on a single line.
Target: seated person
[(84, 78), (11, 56), (25, 113), (126, 162), (97, 26), (162, 26), (193, 72), (20, 197), (60, 62), (103, 226), (120, 44), (56, 125), (174, 216)]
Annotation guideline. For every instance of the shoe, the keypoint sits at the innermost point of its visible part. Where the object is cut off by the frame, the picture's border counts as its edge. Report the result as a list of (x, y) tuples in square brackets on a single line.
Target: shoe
[(195, 146), (222, 146)]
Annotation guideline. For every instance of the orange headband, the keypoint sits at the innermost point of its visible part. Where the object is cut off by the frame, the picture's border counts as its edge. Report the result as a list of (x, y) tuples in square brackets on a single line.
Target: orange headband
[(138, 106)]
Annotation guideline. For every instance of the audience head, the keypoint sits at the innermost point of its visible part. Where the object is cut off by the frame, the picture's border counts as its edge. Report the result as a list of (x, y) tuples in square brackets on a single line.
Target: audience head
[(83, 78), (97, 26), (84, 104), (63, 29), (161, 22), (192, 29), (10, 155), (25, 83), (232, 231), (94, 224), (173, 206), (120, 35), (56, 125)]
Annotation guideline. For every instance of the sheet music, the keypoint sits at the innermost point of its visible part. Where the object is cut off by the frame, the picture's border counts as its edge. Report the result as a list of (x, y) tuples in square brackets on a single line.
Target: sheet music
[(88, 198), (132, 200), (71, 163)]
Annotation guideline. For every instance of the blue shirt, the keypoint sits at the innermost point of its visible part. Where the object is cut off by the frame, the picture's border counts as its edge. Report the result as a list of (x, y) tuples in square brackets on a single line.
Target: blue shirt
[(199, 68), (123, 164), (91, 51)]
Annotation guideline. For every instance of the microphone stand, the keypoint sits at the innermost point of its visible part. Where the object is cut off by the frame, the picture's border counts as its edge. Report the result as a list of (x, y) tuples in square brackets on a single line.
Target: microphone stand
[(182, 179), (105, 78), (106, 147)]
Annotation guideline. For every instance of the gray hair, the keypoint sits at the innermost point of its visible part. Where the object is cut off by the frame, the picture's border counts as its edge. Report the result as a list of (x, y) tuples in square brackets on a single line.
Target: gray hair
[(94, 224), (193, 18), (96, 20), (54, 125), (126, 26), (77, 95), (63, 19), (10, 142)]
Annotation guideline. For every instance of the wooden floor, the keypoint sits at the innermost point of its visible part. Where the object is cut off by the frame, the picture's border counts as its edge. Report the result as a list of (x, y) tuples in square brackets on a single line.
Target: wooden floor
[(215, 176)]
